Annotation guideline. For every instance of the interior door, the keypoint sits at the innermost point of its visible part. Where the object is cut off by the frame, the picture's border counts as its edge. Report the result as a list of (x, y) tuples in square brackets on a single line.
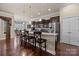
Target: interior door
[(5, 29), (2, 29), (5, 33)]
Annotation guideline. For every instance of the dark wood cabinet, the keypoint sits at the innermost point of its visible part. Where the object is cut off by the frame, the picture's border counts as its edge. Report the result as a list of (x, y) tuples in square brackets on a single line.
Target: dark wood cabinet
[(45, 23)]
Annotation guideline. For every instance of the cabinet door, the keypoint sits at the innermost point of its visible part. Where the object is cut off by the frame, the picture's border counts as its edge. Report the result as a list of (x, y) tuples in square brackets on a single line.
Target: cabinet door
[(75, 31), (65, 31), (70, 31)]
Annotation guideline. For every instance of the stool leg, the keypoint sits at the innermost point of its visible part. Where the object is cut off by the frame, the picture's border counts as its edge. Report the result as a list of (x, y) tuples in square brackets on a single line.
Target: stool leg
[(40, 48), (45, 46), (35, 43), (21, 42)]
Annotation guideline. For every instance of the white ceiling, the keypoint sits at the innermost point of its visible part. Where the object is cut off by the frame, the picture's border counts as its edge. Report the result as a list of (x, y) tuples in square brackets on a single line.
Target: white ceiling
[(30, 10)]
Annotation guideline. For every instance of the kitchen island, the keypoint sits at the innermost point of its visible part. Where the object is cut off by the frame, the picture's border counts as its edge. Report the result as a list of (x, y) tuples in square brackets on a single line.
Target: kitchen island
[(51, 37)]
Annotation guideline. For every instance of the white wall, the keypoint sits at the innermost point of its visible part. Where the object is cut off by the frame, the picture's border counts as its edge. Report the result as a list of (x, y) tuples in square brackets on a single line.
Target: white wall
[(69, 11)]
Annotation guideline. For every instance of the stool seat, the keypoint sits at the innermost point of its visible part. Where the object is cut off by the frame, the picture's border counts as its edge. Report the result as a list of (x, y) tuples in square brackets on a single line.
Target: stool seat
[(31, 36), (41, 40)]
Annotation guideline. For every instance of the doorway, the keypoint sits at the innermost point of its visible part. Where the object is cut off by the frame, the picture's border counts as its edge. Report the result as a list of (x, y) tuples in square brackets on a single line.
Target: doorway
[(5, 31)]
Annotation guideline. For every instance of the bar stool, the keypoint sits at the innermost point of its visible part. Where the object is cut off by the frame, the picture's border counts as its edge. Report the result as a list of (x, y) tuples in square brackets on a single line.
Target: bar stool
[(23, 37), (31, 40), (26, 37), (40, 40), (20, 34)]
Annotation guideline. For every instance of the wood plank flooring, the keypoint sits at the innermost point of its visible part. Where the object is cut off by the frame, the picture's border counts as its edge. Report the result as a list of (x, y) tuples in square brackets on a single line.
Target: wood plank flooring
[(64, 49), (17, 50)]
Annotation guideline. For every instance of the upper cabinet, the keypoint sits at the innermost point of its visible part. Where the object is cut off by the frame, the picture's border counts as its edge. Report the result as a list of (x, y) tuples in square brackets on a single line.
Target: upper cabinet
[(45, 23)]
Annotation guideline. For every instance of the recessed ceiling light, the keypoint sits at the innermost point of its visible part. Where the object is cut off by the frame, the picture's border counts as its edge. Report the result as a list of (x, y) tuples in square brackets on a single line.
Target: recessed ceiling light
[(49, 9), (38, 13)]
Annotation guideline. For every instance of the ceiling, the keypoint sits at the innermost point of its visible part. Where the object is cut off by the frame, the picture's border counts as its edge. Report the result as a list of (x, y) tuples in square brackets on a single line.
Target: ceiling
[(31, 10)]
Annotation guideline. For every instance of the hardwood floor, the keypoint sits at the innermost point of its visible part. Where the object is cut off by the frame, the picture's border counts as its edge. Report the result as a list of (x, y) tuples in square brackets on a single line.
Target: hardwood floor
[(17, 50), (64, 49)]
